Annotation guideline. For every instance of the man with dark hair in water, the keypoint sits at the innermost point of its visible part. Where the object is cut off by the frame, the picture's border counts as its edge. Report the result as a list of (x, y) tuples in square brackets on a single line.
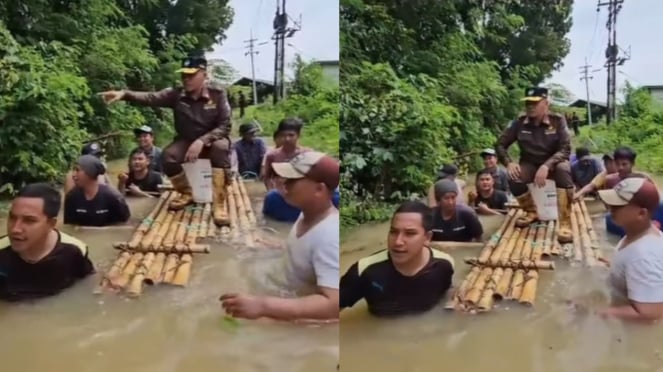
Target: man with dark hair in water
[(37, 260), (408, 277)]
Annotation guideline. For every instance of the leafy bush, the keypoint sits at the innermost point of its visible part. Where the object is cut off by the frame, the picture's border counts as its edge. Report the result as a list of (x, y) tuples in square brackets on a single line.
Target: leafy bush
[(638, 126)]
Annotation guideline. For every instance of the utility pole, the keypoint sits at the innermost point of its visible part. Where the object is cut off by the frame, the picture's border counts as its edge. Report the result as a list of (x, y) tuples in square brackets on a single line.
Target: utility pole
[(252, 52), (612, 56), (584, 70), (281, 32)]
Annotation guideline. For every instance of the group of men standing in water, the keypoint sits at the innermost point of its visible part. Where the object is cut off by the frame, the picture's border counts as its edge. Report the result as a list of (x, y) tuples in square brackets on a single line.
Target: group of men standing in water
[(38, 260), (411, 277)]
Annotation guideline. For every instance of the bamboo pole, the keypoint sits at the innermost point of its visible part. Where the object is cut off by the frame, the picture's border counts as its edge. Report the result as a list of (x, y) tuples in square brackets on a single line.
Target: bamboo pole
[(157, 241), (182, 248), (169, 240), (169, 268), (511, 241), (114, 271), (136, 286), (537, 246), (450, 246), (182, 228), (154, 276), (503, 285), (519, 238), (526, 253), (232, 216), (474, 294), (548, 243), (205, 220), (154, 229), (516, 285), (211, 226), (556, 246), (527, 265), (458, 296), (499, 237), (123, 279), (241, 210), (486, 300), (587, 249), (147, 221), (183, 272), (247, 202), (529, 288), (577, 245), (595, 244), (514, 256), (191, 232)]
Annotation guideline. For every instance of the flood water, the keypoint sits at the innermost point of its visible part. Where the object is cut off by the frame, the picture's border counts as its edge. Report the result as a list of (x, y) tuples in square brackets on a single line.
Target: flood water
[(167, 329), (511, 338)]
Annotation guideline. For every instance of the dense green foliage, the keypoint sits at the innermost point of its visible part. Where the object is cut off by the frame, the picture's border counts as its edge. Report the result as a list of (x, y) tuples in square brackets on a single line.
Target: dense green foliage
[(312, 98), (638, 126), (54, 55), (424, 81)]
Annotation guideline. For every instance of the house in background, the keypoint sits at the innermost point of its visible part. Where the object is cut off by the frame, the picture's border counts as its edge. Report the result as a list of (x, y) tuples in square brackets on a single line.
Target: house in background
[(329, 69), (599, 109), (656, 92), (263, 87)]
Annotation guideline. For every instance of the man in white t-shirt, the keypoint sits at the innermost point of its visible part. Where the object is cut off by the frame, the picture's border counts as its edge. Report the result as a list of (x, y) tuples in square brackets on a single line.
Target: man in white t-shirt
[(312, 247), (636, 272)]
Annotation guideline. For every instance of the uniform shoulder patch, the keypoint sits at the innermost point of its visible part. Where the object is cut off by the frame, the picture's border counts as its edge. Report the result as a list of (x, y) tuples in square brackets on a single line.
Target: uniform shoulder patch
[(443, 256), (373, 259), (68, 239)]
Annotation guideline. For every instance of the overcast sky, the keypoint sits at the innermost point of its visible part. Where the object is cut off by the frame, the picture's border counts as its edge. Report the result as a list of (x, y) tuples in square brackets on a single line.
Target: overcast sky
[(318, 38), (637, 27)]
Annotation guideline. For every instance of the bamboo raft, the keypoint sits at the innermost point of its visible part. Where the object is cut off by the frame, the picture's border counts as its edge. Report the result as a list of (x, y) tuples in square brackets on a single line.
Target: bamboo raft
[(509, 264), (162, 246)]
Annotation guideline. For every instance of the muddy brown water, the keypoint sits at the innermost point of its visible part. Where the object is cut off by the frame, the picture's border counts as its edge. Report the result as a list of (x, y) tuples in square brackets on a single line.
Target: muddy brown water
[(546, 338), (168, 329)]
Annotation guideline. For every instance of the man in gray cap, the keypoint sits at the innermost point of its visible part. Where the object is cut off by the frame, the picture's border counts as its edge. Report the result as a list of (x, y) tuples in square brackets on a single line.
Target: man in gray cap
[(250, 150), (490, 164), (447, 172), (145, 138), (92, 204)]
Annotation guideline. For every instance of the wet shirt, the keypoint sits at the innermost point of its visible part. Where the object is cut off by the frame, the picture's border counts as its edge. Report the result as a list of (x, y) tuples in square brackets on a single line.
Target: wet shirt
[(250, 155), (390, 293), (155, 159), (60, 269), (496, 200), (546, 143), (108, 207), (464, 226), (206, 118), (583, 174), (636, 270), (149, 183)]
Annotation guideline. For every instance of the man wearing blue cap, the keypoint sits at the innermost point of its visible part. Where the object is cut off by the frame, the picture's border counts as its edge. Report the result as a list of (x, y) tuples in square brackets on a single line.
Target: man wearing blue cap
[(202, 127), (545, 147)]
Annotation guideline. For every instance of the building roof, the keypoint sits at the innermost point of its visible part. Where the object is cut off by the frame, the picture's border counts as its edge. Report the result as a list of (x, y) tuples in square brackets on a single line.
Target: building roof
[(583, 103), (327, 63), (652, 87), (245, 80)]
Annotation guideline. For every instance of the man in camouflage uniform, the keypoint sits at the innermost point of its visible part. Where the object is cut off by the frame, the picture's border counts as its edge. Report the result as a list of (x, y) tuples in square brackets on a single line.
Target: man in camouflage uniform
[(545, 147), (202, 127)]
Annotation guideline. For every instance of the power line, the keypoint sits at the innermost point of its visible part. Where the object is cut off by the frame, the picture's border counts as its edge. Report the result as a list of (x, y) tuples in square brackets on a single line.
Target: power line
[(612, 56), (251, 52), (281, 32), (584, 70), (591, 42)]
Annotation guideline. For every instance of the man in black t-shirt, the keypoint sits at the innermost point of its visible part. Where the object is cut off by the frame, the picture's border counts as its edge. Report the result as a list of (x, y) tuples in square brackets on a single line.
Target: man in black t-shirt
[(453, 222), (141, 179), (92, 204), (36, 260), (406, 278), (489, 200)]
